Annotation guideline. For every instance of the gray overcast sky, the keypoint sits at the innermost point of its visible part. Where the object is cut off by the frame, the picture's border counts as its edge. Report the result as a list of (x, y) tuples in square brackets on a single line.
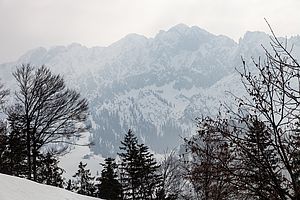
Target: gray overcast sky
[(26, 24)]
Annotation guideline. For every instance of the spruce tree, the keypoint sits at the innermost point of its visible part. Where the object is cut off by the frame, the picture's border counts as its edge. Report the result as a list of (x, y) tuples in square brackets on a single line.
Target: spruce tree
[(129, 166), (3, 149), (84, 181), (3, 133), (139, 176), (70, 185), (109, 187), (258, 160), (150, 179), (13, 154), (48, 171)]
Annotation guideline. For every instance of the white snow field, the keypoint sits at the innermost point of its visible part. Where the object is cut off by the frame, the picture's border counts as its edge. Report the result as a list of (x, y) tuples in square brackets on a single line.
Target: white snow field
[(14, 188), (70, 161)]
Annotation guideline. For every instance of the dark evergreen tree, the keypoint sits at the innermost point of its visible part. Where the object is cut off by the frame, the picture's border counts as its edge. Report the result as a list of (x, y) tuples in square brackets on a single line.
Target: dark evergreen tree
[(16, 152), (84, 181), (139, 177), (48, 171), (109, 186), (11, 144), (129, 169), (3, 149), (150, 179), (13, 154), (70, 185), (258, 160), (3, 133), (295, 163)]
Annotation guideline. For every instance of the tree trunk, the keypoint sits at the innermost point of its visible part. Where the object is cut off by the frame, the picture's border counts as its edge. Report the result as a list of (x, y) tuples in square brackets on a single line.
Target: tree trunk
[(34, 158), (28, 155)]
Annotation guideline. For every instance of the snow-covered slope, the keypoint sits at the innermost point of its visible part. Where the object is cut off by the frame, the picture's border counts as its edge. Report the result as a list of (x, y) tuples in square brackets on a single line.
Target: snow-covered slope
[(14, 188), (155, 86), (70, 161)]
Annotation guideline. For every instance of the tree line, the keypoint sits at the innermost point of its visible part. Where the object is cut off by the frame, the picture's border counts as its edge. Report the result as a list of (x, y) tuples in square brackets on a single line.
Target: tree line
[(43, 118), (135, 177)]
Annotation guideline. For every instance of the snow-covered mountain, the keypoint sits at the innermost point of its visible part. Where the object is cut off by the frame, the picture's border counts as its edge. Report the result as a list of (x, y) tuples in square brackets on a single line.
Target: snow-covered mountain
[(15, 188), (155, 86)]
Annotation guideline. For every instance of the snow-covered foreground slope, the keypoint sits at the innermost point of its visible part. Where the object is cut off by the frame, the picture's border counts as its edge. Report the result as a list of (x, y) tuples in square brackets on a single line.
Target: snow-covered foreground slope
[(14, 188)]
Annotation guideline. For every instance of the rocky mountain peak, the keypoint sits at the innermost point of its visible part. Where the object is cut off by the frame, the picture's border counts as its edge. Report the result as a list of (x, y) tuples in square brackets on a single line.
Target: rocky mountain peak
[(155, 86)]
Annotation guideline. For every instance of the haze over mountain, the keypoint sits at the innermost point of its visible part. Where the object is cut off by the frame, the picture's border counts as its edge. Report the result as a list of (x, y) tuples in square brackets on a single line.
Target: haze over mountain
[(155, 86)]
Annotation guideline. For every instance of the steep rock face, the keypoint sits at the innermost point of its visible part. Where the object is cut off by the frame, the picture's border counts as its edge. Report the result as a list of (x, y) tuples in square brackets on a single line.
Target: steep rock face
[(155, 86)]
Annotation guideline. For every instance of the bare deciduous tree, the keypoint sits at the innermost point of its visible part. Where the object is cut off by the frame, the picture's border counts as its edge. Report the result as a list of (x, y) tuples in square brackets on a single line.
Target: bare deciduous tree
[(275, 98), (45, 110), (173, 181), (263, 134), (3, 93), (210, 162)]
